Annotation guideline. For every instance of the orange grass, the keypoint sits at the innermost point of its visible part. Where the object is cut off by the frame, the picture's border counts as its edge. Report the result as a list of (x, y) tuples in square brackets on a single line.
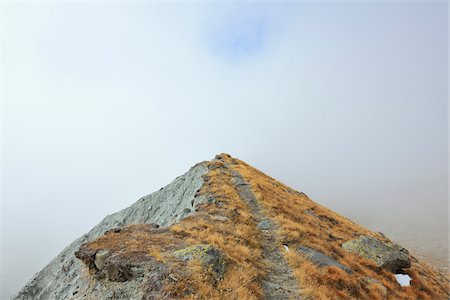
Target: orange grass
[(238, 239), (304, 222), (300, 222)]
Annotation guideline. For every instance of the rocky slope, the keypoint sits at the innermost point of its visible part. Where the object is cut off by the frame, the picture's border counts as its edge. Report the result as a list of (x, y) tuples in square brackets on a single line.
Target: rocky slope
[(225, 230), (61, 278)]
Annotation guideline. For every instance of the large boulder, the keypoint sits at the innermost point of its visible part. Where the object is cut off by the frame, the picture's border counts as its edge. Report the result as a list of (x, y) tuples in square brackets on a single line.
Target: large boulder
[(115, 266), (389, 256), (206, 254), (320, 259)]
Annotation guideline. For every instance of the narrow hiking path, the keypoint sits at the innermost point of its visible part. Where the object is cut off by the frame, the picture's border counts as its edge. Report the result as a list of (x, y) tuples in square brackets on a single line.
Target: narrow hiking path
[(280, 283)]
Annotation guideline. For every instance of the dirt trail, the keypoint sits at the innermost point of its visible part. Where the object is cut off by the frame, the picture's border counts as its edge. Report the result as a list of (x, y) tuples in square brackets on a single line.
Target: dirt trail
[(280, 283)]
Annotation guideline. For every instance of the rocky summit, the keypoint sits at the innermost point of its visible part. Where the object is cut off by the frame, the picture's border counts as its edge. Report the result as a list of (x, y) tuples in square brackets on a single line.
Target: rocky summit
[(225, 230)]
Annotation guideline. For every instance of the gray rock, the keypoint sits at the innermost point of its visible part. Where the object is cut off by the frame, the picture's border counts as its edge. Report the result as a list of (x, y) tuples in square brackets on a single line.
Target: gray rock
[(62, 278), (322, 260), (264, 225), (145, 283), (388, 256), (184, 213), (100, 258), (220, 218), (206, 254), (311, 213), (270, 285), (137, 271)]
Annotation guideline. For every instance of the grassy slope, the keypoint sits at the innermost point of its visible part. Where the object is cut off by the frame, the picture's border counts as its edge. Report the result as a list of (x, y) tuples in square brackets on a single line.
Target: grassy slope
[(240, 240), (325, 230)]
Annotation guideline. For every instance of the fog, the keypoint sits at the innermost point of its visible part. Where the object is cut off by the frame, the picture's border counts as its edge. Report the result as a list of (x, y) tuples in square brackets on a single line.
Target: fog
[(102, 103)]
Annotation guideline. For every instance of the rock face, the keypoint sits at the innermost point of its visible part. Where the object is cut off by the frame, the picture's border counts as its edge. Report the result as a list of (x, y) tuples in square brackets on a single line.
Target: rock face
[(61, 278), (123, 262), (110, 261), (321, 259), (391, 257)]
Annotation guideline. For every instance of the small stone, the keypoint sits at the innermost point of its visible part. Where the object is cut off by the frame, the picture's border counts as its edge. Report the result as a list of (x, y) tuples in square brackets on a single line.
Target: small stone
[(270, 285), (311, 213), (137, 271), (100, 258), (171, 276), (220, 218), (264, 225)]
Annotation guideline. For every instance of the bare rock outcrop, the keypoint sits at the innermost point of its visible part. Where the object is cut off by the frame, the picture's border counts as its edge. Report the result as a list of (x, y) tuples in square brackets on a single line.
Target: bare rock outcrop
[(391, 257), (62, 278), (209, 256), (321, 259)]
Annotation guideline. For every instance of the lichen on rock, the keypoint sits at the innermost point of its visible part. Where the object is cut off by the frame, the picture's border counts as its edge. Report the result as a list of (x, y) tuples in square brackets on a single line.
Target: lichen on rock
[(206, 254), (391, 257)]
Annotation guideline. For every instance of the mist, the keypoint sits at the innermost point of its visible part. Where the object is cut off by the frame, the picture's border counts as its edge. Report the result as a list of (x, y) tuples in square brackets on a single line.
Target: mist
[(103, 103)]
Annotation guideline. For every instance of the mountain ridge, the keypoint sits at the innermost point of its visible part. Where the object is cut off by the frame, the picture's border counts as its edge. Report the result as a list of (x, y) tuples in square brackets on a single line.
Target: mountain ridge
[(225, 230)]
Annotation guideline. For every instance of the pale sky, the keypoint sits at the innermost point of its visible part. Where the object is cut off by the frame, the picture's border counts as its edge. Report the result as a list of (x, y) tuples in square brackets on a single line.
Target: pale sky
[(105, 102)]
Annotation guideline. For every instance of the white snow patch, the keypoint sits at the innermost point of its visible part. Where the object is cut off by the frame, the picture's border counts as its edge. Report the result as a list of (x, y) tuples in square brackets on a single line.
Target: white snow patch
[(403, 279)]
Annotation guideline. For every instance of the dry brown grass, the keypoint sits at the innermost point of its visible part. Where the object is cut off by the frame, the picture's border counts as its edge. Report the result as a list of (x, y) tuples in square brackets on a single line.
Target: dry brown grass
[(138, 237), (238, 239), (325, 231), (301, 222)]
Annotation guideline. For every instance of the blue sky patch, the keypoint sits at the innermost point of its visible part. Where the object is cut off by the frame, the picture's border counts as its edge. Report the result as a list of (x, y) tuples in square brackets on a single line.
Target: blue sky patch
[(238, 40)]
